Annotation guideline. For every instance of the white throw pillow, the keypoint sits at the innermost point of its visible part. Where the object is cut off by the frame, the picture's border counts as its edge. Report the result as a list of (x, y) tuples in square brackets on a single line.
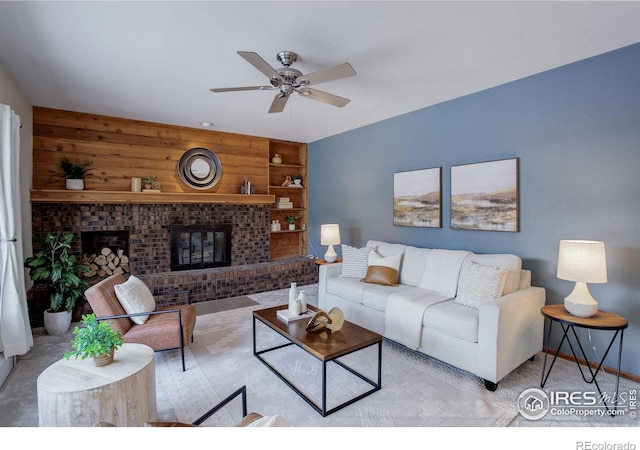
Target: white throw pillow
[(479, 284), (393, 261), (355, 261), (135, 297)]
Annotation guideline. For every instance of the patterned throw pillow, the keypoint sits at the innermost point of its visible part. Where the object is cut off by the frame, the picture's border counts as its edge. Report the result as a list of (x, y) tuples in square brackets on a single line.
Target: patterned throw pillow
[(354, 261), (135, 297), (479, 284)]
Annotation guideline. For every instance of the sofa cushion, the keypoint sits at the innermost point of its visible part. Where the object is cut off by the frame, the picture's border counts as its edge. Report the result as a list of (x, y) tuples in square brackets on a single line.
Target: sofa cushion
[(453, 319), (442, 270), (350, 289), (135, 297), (479, 284), (355, 261), (376, 296), (413, 263)]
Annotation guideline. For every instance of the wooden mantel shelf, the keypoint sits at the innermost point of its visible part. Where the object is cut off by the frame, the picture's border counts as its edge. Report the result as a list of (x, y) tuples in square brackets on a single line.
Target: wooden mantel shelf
[(86, 196)]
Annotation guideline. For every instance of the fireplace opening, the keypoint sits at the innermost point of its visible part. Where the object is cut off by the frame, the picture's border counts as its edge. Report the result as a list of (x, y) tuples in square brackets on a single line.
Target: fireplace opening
[(200, 246), (105, 252)]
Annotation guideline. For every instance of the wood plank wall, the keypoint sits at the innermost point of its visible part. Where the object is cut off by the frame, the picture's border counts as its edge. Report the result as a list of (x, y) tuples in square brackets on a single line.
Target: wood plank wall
[(123, 148)]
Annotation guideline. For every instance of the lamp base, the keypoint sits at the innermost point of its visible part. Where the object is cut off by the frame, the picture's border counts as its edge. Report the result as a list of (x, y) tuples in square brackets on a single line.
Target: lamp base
[(580, 303), (331, 256)]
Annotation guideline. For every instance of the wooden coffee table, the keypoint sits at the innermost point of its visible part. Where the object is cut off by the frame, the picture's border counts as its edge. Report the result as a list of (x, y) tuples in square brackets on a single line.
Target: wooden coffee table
[(324, 346)]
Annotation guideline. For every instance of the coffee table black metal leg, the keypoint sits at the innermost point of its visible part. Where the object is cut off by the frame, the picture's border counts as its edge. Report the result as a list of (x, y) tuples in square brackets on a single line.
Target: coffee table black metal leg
[(324, 388)]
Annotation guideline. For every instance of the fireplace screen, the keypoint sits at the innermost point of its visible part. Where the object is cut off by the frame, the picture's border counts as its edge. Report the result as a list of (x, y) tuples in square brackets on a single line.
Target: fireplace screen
[(198, 247)]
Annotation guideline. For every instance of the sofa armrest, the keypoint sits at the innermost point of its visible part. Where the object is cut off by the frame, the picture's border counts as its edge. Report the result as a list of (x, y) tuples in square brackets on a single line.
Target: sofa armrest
[(511, 330), (326, 271)]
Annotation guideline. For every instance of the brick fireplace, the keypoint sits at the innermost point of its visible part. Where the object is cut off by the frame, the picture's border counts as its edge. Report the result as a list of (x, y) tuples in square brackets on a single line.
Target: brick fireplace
[(147, 228)]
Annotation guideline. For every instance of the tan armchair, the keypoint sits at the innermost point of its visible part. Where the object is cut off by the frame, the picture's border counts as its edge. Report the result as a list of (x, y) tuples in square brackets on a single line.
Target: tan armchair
[(167, 328)]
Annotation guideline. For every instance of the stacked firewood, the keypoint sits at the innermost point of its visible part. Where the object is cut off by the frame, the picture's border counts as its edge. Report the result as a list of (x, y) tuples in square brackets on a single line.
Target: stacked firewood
[(106, 263)]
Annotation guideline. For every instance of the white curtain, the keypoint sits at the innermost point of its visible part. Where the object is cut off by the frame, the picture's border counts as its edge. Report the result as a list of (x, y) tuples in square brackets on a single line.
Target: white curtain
[(15, 331)]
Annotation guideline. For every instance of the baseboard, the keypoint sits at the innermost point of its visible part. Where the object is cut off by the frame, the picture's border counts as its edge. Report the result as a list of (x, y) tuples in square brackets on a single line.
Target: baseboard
[(607, 369)]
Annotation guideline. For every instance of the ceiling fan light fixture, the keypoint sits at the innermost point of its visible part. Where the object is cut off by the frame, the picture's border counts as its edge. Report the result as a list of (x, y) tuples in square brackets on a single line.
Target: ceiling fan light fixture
[(288, 80)]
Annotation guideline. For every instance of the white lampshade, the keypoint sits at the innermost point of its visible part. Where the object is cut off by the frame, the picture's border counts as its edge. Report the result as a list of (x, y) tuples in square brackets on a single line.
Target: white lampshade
[(583, 262), (330, 235)]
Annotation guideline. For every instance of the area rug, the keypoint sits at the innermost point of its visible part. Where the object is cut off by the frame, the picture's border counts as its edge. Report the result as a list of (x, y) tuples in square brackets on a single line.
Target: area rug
[(417, 391)]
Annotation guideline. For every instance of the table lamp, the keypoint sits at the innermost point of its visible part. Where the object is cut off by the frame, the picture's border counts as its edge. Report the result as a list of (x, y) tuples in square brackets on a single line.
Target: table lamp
[(330, 235), (583, 262)]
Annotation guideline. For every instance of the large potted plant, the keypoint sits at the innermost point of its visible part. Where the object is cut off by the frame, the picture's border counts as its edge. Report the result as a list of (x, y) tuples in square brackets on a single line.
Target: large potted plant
[(96, 340), (56, 267), (74, 172)]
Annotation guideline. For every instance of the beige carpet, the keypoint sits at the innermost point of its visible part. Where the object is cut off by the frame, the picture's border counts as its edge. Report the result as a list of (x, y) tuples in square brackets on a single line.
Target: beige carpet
[(417, 391)]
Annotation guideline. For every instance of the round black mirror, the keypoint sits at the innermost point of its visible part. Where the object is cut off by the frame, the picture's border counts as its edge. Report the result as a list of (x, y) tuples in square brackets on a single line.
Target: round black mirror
[(200, 168)]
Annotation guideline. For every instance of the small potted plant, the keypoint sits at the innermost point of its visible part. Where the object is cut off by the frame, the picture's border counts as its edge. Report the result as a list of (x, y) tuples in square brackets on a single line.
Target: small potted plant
[(56, 267), (291, 220), (96, 340), (74, 172), (297, 180), (148, 182)]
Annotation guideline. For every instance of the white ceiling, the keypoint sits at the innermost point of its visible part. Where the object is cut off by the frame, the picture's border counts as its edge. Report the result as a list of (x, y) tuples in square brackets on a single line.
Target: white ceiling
[(156, 61)]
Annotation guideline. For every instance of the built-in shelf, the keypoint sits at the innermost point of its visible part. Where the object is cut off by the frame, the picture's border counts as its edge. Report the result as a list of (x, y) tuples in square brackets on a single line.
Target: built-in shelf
[(297, 230), (87, 196)]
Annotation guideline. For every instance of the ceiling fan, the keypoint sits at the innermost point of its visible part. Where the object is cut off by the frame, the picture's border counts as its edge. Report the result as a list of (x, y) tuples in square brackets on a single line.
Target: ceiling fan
[(288, 80)]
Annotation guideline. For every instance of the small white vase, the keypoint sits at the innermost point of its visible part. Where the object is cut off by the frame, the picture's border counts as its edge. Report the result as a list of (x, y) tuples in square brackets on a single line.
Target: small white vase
[(292, 226), (75, 184)]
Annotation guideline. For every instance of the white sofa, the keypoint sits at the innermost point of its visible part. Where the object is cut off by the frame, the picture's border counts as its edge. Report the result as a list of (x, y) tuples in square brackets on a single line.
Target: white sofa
[(489, 340)]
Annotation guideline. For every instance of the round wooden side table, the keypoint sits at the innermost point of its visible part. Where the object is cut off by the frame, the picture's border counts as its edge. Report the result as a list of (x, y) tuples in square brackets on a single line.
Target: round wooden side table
[(76, 393), (602, 320)]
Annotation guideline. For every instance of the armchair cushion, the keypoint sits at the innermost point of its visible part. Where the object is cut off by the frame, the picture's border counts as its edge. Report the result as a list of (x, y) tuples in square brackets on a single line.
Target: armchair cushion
[(135, 297)]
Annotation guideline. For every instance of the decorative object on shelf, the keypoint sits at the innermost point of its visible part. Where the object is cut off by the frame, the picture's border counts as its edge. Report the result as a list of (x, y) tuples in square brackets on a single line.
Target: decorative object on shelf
[(277, 159), (56, 267), (136, 184), (332, 321), (484, 196), (330, 235), (200, 168), (287, 182), (297, 180), (293, 295), (96, 340), (291, 220), (417, 198), (74, 172), (148, 182), (284, 203), (583, 262), (247, 188)]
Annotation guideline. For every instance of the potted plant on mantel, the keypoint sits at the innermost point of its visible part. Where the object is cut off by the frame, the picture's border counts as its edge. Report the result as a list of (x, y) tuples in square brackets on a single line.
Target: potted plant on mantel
[(74, 172), (58, 269), (96, 340)]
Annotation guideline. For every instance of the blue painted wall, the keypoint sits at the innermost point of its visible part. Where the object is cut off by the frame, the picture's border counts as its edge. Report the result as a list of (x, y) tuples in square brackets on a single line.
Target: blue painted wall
[(576, 131)]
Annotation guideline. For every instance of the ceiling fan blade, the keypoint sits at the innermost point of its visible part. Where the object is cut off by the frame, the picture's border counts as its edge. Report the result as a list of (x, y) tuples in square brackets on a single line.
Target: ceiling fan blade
[(245, 88), (324, 97), (329, 74), (256, 61), (278, 104)]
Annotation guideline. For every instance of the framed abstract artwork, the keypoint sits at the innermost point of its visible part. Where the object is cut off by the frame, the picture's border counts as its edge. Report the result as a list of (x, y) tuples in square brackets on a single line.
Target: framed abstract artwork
[(417, 198), (485, 196)]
